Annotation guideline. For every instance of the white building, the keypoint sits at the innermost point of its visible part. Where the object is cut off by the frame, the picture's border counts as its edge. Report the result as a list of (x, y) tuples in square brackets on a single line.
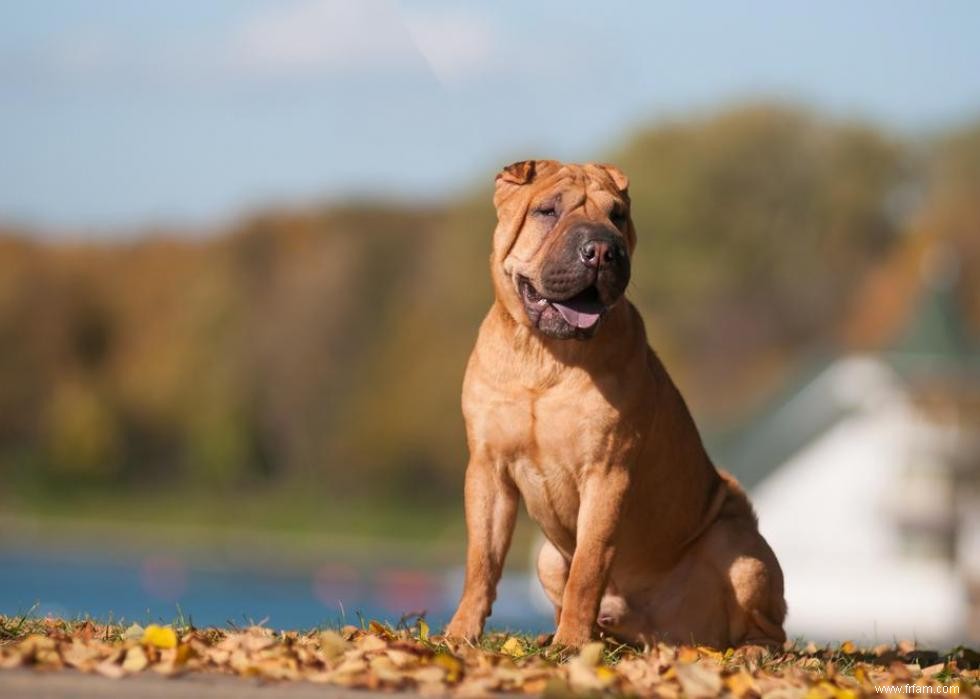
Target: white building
[(865, 483)]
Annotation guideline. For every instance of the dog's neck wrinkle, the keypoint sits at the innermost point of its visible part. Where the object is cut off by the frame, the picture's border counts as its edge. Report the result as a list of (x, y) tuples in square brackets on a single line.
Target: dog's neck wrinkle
[(542, 361)]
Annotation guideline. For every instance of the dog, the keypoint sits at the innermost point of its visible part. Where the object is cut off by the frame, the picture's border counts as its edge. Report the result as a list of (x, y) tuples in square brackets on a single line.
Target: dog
[(567, 406)]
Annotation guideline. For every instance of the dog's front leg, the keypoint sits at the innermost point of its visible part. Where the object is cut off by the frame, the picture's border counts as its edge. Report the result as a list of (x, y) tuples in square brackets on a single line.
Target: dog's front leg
[(491, 509), (598, 517)]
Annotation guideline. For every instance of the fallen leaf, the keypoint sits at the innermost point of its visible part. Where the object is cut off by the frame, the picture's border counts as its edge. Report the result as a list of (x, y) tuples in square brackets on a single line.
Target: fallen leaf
[(401, 658), (707, 652), (133, 632), (686, 654), (451, 664), (380, 629), (332, 644), (160, 636), (585, 672), (591, 654), (351, 666), (81, 656), (741, 683), (513, 647), (136, 660), (370, 643), (429, 674), (698, 680), (385, 670), (382, 659)]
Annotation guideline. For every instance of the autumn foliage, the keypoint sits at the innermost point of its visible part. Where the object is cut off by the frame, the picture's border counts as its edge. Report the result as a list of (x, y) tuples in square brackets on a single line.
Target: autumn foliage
[(325, 347), (377, 656)]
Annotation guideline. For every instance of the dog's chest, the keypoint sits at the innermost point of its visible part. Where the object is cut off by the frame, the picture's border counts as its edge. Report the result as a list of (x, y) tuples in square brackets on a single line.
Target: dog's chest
[(551, 495), (546, 441)]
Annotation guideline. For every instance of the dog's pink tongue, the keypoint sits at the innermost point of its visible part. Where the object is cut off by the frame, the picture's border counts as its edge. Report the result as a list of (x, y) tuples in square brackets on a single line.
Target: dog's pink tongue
[(580, 319)]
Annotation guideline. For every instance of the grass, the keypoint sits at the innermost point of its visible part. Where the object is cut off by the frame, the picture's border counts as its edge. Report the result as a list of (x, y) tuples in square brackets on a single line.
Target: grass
[(280, 509), (295, 521)]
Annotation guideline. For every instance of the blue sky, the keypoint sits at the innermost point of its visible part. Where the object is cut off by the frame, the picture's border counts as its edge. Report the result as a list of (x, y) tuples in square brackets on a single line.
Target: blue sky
[(115, 115)]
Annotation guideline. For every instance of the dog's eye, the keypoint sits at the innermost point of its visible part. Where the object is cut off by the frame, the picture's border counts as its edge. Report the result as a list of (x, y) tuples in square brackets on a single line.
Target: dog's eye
[(618, 216), (546, 210)]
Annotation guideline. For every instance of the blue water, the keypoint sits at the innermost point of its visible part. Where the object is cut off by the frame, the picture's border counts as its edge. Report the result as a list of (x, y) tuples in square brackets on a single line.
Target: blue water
[(154, 588)]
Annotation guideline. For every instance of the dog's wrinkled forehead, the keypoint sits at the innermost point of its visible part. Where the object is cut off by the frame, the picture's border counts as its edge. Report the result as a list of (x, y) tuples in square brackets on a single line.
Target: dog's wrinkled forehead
[(525, 179)]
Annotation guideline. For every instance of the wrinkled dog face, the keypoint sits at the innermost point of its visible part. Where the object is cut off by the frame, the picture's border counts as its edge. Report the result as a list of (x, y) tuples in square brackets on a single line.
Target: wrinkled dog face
[(568, 238)]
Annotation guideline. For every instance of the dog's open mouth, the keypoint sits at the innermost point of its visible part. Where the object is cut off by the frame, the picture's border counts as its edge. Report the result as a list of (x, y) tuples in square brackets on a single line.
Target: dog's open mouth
[(581, 311)]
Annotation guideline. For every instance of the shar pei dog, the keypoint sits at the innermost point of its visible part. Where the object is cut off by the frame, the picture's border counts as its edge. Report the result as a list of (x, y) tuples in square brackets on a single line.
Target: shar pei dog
[(568, 407)]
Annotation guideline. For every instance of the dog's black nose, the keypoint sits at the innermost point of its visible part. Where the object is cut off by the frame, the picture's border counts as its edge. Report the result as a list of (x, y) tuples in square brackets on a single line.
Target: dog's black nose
[(599, 252)]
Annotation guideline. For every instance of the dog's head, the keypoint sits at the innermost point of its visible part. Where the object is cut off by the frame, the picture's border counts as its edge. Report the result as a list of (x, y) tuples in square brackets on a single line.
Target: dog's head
[(562, 246)]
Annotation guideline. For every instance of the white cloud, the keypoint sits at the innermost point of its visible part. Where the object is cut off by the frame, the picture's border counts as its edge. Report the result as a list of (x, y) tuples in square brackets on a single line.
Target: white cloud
[(313, 37), (295, 40), (457, 45), (322, 35)]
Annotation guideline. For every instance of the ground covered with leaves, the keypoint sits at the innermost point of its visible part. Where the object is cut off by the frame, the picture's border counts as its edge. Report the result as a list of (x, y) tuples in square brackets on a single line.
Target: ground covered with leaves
[(410, 658)]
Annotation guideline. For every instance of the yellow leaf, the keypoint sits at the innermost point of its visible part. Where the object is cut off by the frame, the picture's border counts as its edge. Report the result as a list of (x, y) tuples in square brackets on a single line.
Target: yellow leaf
[(861, 676), (686, 654), (741, 683), (822, 690), (513, 647), (606, 674), (423, 630), (451, 664), (708, 652), (380, 629), (160, 636), (848, 647)]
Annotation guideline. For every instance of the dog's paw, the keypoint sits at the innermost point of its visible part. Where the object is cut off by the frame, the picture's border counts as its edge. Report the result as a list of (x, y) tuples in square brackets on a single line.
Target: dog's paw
[(570, 637), (463, 629)]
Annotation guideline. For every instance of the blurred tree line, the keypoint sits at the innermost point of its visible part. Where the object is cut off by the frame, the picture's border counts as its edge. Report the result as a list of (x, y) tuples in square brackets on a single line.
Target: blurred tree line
[(325, 348)]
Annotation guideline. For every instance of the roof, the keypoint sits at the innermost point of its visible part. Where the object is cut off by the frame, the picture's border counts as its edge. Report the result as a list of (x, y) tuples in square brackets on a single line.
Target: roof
[(936, 342), (934, 347), (839, 389)]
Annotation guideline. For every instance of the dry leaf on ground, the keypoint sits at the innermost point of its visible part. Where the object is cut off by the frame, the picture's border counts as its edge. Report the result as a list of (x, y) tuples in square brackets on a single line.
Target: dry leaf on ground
[(381, 658)]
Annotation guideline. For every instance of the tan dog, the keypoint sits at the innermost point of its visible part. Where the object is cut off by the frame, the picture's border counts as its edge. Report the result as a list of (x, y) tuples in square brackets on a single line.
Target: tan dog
[(567, 405)]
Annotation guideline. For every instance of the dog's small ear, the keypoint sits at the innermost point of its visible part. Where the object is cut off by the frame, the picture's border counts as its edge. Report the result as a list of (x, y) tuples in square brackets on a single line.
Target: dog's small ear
[(619, 178), (518, 174)]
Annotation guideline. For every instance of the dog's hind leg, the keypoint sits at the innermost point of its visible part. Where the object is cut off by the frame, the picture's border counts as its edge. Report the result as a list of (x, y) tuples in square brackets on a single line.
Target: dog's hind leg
[(553, 570), (750, 571)]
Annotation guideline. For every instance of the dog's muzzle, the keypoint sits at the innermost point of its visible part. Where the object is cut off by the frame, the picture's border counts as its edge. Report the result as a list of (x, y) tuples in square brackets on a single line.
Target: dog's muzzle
[(578, 283)]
